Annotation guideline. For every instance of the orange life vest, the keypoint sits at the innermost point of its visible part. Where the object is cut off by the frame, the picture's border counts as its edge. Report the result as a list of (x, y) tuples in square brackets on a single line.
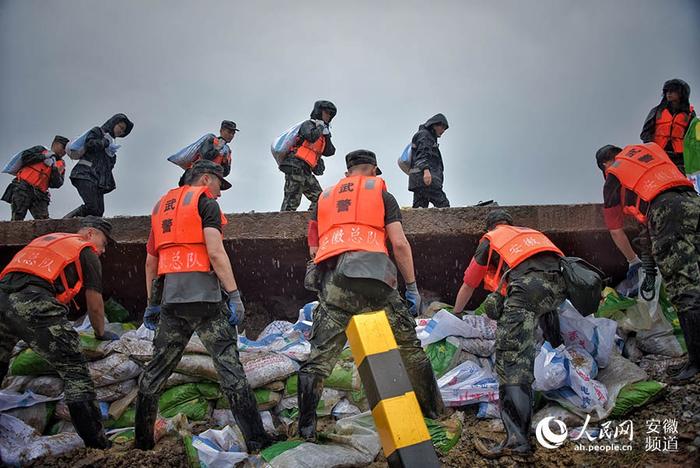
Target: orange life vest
[(645, 171), (671, 127), (222, 156), (177, 231), (513, 245), (48, 256), (351, 217), (38, 174), (310, 152)]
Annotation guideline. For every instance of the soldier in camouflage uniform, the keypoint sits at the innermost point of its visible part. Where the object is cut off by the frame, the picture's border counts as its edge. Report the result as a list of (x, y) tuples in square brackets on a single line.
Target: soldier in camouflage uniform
[(184, 246), (532, 293), (33, 308), (358, 276), (304, 163), (672, 217)]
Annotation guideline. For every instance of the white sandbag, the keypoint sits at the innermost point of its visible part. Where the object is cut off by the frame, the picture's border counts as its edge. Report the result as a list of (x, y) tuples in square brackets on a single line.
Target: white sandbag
[(596, 335), (20, 444), (36, 416), (110, 393), (14, 164), (76, 148), (353, 442), (488, 410), (553, 410), (130, 345), (17, 383), (263, 368), (344, 409), (220, 448), (186, 155), (444, 324), (46, 385), (177, 378), (329, 398), (10, 399), (284, 143), (276, 327), (550, 368), (467, 384), (405, 159), (198, 365), (478, 346), (113, 369)]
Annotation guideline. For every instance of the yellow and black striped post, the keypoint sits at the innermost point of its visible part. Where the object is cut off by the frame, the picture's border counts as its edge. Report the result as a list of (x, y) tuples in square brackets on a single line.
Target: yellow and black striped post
[(394, 406)]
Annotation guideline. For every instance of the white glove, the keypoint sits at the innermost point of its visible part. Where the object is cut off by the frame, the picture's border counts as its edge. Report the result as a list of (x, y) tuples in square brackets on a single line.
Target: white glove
[(50, 161)]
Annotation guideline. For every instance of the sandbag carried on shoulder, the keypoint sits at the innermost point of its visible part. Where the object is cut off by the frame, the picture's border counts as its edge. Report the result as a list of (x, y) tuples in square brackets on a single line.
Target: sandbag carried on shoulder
[(284, 143), (405, 159)]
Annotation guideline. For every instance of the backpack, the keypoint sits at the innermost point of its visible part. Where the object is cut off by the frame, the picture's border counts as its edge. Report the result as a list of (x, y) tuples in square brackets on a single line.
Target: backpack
[(76, 148), (405, 158), (584, 284), (283, 144)]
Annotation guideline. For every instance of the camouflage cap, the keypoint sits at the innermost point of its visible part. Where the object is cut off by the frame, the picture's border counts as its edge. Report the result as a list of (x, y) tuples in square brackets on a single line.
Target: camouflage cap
[(229, 125), (361, 156), (204, 166), (101, 224)]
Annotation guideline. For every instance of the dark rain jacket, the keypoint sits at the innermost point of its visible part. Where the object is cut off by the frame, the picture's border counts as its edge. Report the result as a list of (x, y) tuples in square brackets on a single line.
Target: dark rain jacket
[(649, 126), (426, 154), (98, 165), (311, 132)]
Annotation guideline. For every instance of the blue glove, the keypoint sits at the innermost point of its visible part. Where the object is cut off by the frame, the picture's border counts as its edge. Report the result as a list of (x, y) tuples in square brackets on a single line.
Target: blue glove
[(413, 298), (108, 336), (151, 316), (236, 311), (633, 270)]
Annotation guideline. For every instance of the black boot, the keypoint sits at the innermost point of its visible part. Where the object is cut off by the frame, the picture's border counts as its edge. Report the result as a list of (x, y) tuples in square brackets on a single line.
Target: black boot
[(87, 420), (691, 332), (427, 392), (146, 414), (516, 413), (309, 392), (76, 213), (549, 323), (245, 410), (4, 366)]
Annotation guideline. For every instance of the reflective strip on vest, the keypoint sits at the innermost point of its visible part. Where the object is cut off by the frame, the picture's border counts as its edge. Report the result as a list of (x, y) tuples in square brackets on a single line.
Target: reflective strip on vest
[(671, 127), (514, 245), (311, 152), (177, 231), (645, 171), (48, 256), (351, 217)]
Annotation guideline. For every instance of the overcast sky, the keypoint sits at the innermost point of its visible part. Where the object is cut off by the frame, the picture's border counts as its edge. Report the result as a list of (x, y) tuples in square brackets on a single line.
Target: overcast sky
[(530, 89)]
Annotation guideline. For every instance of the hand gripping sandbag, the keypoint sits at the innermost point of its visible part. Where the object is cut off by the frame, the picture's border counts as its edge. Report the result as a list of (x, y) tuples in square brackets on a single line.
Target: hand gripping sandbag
[(584, 284), (405, 158), (184, 157), (283, 143), (76, 148)]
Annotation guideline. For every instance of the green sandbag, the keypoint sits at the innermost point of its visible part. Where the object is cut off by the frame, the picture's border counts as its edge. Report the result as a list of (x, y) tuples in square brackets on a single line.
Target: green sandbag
[(691, 147), (188, 399), (635, 395), (263, 397), (115, 312), (28, 362), (127, 419), (280, 447), (441, 355), (614, 302), (191, 452), (445, 435)]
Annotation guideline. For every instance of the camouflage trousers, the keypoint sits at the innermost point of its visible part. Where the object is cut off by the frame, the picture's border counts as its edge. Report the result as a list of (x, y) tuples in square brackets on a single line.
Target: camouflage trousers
[(28, 198), (528, 298), (175, 328), (340, 298), (424, 195), (297, 182), (40, 320), (674, 222)]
